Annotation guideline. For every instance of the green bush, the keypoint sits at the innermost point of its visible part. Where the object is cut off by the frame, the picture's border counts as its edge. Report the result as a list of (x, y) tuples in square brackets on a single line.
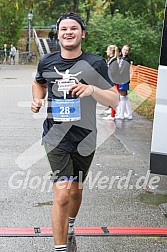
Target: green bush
[(11, 18), (118, 29)]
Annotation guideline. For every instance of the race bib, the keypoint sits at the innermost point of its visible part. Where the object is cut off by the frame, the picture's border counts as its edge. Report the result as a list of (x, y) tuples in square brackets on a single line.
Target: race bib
[(66, 110)]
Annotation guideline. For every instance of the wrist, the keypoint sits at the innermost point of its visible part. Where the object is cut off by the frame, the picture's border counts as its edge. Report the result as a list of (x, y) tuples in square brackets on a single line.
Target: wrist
[(93, 89), (39, 101)]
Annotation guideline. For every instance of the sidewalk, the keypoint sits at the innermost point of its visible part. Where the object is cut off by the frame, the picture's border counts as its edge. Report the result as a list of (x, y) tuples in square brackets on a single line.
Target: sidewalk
[(113, 195)]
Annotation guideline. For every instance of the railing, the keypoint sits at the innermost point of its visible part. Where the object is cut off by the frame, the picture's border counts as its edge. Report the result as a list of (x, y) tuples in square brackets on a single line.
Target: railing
[(46, 45), (25, 59), (37, 41), (43, 45), (144, 75)]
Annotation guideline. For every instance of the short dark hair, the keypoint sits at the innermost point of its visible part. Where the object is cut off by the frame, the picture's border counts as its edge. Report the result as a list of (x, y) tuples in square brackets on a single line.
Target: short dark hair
[(71, 15)]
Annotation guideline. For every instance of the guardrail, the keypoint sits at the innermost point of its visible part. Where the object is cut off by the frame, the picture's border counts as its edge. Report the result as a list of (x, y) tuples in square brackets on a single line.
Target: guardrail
[(38, 43), (25, 59), (144, 75)]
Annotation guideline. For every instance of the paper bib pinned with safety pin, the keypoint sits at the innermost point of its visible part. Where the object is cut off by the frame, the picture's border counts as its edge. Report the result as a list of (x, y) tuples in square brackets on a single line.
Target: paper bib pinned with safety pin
[(66, 110)]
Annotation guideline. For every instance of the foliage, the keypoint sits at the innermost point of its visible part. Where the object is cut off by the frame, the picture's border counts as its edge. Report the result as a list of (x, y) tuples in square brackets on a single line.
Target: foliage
[(152, 10), (10, 22), (120, 30), (50, 10), (138, 23)]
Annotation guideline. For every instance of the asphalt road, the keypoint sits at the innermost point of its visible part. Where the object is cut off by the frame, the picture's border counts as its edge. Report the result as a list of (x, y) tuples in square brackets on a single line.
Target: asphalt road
[(114, 193)]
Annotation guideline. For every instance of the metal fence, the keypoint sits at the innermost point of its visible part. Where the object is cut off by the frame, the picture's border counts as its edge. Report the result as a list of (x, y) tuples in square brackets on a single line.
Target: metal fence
[(25, 58), (21, 58)]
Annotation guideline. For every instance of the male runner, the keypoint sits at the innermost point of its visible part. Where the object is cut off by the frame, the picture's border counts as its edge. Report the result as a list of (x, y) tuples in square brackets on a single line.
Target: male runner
[(75, 81)]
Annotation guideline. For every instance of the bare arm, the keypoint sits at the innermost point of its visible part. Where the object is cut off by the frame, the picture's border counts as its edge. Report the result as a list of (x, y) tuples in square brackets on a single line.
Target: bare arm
[(38, 94), (107, 97)]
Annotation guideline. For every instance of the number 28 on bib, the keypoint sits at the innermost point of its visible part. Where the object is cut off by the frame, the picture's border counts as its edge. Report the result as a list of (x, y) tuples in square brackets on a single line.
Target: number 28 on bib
[(66, 110)]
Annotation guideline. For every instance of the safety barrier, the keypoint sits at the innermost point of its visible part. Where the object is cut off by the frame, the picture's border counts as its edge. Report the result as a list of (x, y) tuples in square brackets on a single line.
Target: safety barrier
[(144, 75), (86, 231)]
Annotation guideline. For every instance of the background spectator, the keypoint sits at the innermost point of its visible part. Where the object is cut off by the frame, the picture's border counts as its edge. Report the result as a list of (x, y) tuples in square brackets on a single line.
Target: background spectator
[(124, 109), (12, 54), (51, 35), (113, 53), (5, 53)]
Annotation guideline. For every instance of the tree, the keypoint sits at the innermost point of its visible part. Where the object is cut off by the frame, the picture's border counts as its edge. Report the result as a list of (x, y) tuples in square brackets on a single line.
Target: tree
[(145, 41), (50, 10), (11, 18), (139, 21), (149, 9)]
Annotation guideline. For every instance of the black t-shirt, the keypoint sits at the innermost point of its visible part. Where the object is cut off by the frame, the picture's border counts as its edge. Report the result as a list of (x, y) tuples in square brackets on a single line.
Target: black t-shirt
[(88, 69), (125, 69)]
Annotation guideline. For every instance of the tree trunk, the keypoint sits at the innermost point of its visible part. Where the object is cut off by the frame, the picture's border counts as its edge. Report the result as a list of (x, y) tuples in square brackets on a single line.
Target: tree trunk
[(112, 8), (87, 14), (74, 5)]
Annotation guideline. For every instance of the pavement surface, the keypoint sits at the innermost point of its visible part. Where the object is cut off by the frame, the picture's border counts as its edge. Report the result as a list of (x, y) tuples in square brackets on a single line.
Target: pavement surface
[(115, 192)]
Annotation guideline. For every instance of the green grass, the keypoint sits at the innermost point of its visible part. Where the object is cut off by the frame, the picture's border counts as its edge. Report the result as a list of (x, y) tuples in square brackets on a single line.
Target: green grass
[(141, 106), (146, 109)]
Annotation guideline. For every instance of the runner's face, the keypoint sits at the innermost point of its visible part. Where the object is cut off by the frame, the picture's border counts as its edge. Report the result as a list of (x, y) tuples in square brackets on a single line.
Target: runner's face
[(70, 34)]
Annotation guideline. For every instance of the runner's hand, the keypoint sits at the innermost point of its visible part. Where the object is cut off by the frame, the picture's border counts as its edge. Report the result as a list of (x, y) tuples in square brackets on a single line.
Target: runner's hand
[(81, 90), (36, 105)]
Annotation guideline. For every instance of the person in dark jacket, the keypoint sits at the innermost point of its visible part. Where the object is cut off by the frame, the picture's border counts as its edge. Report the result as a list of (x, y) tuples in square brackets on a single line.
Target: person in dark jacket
[(51, 35)]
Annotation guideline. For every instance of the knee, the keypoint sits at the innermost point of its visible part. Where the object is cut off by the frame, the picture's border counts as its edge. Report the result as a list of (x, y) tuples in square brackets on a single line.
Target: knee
[(61, 199), (76, 194)]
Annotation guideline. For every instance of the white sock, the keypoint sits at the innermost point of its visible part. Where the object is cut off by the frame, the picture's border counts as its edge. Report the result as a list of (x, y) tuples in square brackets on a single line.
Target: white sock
[(128, 107), (122, 107), (62, 248), (71, 225)]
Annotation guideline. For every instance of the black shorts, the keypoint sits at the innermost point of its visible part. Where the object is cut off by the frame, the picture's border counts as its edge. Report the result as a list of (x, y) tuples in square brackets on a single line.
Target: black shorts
[(66, 165)]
